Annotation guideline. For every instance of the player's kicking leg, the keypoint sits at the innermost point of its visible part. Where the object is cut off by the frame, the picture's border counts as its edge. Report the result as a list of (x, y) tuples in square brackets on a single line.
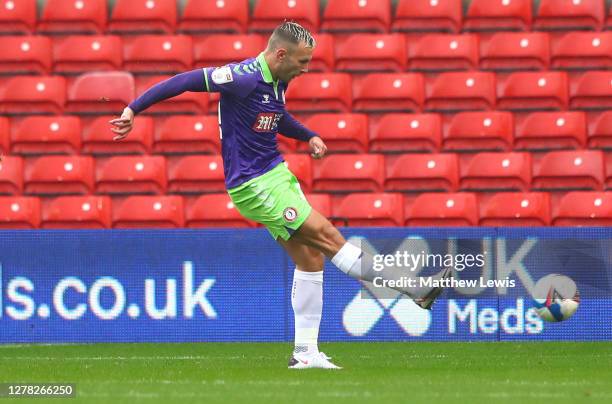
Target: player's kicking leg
[(307, 303), (318, 233)]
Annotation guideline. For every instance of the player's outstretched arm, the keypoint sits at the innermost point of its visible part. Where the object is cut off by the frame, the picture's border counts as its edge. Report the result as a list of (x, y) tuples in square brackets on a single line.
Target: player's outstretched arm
[(290, 127), (188, 81)]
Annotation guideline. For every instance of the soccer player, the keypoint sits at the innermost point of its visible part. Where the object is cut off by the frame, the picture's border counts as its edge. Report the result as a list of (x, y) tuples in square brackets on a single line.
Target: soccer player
[(251, 113)]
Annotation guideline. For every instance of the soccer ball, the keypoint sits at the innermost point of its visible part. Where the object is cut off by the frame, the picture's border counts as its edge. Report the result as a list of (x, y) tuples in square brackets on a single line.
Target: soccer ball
[(556, 298)]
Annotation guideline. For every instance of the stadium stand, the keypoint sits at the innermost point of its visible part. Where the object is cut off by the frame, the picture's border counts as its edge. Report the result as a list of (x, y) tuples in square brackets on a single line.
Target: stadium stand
[(77, 212), (25, 55), (487, 15), (18, 17), (385, 92), (427, 15), (372, 209), (208, 16), (143, 16), (19, 212), (431, 116), (267, 14), (73, 17), (47, 135), (517, 209)]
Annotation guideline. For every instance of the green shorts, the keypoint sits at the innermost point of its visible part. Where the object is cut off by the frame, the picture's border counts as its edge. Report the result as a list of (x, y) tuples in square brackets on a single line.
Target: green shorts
[(273, 199)]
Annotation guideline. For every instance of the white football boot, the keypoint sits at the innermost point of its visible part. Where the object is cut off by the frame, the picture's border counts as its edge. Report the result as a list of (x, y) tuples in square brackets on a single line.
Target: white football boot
[(428, 300), (311, 361)]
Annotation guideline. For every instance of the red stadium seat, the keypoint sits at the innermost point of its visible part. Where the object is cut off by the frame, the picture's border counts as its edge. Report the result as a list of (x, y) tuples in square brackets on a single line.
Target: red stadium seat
[(100, 93), (461, 91), (143, 16), (342, 132), (349, 173), (155, 54), (427, 15), (17, 17), (286, 144), (5, 135), (356, 16), (19, 212), (444, 52), (33, 95), (562, 170), (608, 171), (188, 134), (407, 132), (320, 92), (498, 15), (584, 209), (206, 16), (11, 175), (423, 172), (583, 50), (25, 54), (516, 51), (497, 172), (321, 203), (379, 92), (186, 103), (98, 138), (608, 24), (600, 131), (376, 209), (301, 166), (534, 90), (508, 209), (73, 17), (443, 209), (372, 52), (132, 175), (77, 212), (228, 48), (146, 211), (80, 54), (196, 174), (215, 210), (472, 131), (269, 13), (570, 14), (60, 175), (323, 57), (47, 135), (551, 130), (592, 90)]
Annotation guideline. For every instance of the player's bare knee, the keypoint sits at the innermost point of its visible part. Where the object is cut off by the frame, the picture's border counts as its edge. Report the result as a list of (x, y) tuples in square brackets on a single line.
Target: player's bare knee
[(332, 239)]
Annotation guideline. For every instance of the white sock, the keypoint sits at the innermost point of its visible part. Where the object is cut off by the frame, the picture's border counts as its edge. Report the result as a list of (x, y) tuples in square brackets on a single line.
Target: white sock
[(359, 264), (307, 303)]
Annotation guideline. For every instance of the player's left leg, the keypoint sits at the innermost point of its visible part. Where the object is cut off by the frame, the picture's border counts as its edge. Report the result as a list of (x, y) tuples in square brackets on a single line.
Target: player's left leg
[(307, 303)]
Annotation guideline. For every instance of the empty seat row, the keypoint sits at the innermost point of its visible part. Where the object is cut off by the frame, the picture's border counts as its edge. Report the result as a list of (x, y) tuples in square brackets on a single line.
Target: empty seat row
[(109, 92), (377, 209), (343, 132), (564, 170), (358, 53), (129, 16)]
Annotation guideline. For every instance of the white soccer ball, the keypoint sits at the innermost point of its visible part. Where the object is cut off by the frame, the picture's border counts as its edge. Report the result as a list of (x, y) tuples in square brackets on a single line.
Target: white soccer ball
[(556, 298)]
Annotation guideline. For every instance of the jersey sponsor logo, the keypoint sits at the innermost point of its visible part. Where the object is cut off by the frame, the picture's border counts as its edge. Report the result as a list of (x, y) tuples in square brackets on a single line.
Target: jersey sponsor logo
[(222, 75), (290, 214), (266, 99), (266, 122)]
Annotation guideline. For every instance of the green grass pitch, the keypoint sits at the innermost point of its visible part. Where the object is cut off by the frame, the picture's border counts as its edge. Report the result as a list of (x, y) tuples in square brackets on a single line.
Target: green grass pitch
[(421, 372)]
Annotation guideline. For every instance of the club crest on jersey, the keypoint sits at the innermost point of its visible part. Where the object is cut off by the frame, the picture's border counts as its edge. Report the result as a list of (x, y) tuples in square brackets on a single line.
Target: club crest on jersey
[(266, 122), (290, 214), (266, 99), (222, 75)]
